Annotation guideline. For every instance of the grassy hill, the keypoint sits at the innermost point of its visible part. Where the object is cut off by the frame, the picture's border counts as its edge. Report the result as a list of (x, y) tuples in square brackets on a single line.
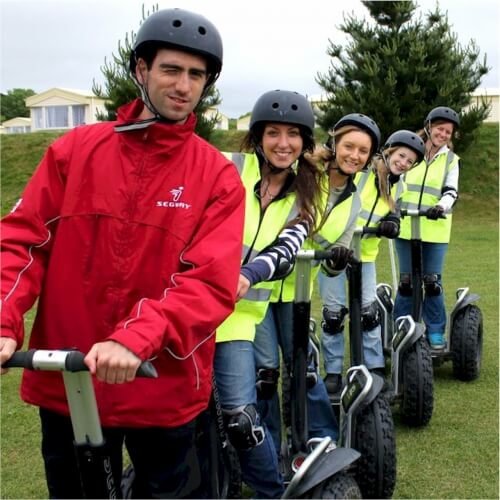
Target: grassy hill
[(455, 456), (20, 154)]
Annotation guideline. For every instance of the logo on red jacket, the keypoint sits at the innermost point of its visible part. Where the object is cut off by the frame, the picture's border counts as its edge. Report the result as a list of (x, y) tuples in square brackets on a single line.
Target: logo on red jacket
[(175, 202)]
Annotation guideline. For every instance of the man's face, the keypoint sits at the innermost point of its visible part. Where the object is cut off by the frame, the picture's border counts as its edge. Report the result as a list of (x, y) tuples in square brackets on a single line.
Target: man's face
[(174, 83)]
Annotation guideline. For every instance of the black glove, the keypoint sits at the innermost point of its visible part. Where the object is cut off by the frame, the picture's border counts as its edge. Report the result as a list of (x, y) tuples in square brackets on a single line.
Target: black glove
[(388, 227), (436, 212), (339, 260)]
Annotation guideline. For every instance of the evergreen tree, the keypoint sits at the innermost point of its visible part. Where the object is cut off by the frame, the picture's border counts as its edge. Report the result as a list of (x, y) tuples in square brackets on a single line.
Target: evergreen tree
[(13, 103), (120, 89), (396, 69)]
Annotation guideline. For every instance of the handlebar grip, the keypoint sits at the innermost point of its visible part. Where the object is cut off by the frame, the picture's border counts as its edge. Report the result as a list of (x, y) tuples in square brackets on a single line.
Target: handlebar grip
[(323, 254), (20, 359), (370, 230), (73, 362)]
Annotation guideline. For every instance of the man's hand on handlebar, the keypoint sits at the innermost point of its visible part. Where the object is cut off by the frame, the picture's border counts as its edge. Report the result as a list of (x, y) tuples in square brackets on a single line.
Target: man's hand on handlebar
[(112, 362)]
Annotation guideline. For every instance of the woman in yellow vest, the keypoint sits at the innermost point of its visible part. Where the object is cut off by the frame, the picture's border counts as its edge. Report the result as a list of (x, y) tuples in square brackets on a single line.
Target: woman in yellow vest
[(281, 188), (379, 187), (432, 186), (352, 142)]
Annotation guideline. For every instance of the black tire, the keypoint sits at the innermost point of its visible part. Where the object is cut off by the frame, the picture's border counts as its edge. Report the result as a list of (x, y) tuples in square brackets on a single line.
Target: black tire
[(467, 343), (418, 393), (230, 474), (341, 485), (128, 477), (374, 438)]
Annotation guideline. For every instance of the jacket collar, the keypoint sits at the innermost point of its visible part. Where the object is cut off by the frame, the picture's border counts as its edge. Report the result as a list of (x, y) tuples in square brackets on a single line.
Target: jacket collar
[(166, 135)]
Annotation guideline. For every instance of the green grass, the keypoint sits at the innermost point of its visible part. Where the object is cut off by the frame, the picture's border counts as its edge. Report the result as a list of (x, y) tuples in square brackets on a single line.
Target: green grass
[(455, 456)]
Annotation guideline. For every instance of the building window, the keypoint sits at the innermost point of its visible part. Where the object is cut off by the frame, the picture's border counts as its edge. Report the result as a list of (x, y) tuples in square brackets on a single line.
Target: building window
[(56, 117), (37, 118), (78, 115), (18, 129)]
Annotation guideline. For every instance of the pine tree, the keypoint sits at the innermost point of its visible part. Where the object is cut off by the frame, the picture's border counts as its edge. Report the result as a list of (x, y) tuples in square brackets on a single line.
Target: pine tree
[(119, 88), (396, 69)]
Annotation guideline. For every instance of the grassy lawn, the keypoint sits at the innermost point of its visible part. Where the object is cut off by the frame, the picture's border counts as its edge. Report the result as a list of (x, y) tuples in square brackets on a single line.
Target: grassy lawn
[(455, 456)]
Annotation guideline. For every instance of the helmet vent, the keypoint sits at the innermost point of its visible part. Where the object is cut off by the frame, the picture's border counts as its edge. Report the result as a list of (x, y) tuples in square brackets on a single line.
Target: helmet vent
[(202, 30), (276, 105), (177, 23), (294, 107)]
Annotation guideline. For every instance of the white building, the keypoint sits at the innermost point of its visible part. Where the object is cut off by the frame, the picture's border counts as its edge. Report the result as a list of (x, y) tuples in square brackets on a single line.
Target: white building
[(60, 108), (18, 125)]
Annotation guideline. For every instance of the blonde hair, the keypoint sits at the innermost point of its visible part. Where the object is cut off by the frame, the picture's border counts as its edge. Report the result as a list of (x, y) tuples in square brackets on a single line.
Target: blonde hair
[(382, 171)]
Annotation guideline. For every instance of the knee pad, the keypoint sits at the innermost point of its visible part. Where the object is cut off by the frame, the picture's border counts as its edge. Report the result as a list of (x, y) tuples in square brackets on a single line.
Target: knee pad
[(267, 382), (333, 322), (370, 317), (432, 285), (405, 287), (242, 428)]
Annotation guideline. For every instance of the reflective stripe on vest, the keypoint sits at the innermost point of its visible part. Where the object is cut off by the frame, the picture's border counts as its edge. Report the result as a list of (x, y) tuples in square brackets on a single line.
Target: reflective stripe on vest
[(374, 208), (339, 219), (260, 230), (425, 184)]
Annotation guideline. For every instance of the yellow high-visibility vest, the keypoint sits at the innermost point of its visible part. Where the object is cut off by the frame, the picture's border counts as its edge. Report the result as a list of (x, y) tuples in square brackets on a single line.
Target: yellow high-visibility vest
[(373, 208), (341, 216), (425, 183), (260, 230)]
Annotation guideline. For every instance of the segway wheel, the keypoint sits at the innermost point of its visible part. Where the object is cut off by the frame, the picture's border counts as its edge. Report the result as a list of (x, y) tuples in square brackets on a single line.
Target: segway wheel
[(341, 485), (417, 402), (467, 343), (374, 438), (128, 477), (230, 474)]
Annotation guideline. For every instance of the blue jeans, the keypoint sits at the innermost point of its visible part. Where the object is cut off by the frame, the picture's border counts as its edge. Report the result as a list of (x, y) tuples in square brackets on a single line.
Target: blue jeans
[(333, 296), (235, 377), (275, 331), (433, 310)]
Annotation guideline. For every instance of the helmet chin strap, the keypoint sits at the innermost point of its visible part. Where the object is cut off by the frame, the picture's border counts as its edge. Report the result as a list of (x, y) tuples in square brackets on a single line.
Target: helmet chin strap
[(427, 131), (274, 170), (157, 116), (330, 146), (339, 170), (147, 102)]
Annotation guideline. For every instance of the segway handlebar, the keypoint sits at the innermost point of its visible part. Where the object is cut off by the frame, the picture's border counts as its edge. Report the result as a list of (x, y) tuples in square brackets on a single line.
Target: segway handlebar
[(61, 360), (366, 230), (417, 212)]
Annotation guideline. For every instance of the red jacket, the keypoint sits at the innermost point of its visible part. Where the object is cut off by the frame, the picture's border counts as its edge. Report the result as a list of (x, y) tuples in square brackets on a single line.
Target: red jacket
[(133, 236)]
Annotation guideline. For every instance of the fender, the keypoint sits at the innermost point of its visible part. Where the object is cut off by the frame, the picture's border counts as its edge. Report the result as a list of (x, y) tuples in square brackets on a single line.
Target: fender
[(319, 466), (464, 298)]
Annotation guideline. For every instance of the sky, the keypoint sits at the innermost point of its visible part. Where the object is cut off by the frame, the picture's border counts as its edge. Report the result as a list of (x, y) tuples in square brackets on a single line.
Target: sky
[(268, 44)]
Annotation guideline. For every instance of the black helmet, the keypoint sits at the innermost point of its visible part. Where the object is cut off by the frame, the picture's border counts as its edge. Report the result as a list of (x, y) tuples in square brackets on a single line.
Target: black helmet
[(283, 106), (364, 122), (408, 139), (443, 113), (184, 30)]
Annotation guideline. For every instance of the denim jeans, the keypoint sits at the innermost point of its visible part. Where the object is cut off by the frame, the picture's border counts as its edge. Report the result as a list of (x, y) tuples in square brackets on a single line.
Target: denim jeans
[(333, 296), (275, 331), (433, 310), (235, 377)]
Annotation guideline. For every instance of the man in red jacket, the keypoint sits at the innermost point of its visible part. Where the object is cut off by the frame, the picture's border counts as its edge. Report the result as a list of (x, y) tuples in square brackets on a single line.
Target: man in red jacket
[(130, 235)]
